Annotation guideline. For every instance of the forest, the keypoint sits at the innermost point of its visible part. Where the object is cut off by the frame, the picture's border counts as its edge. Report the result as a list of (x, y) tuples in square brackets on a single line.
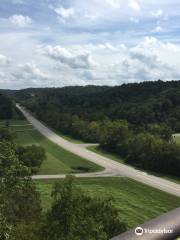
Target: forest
[(138, 103), (135, 121)]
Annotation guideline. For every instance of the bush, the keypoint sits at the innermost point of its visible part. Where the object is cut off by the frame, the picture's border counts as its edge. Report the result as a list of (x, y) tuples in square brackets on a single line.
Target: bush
[(5, 135), (31, 156), (114, 133)]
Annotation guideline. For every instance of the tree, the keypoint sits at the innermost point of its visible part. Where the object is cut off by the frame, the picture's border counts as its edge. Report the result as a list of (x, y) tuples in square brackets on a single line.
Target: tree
[(114, 133), (93, 132), (142, 150), (31, 156), (5, 228), (79, 127), (75, 215), (5, 135), (153, 153), (6, 107), (161, 130), (19, 202)]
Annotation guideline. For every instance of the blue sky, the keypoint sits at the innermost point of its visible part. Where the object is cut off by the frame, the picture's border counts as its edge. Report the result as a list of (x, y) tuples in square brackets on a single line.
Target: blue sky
[(54, 43)]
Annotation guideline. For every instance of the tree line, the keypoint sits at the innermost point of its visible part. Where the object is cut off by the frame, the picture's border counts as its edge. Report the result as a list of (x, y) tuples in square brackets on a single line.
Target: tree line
[(138, 103), (151, 148)]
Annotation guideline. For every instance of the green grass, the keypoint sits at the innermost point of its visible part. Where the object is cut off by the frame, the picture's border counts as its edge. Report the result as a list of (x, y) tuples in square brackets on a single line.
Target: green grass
[(135, 201), (58, 159), (14, 122), (177, 138), (117, 158)]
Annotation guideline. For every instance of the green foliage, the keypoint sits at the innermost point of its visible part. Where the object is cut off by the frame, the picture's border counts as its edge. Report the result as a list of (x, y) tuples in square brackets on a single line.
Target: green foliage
[(138, 103), (19, 201), (31, 156), (161, 130), (153, 153), (5, 135), (114, 133), (75, 215), (88, 131), (5, 228), (6, 107), (113, 115)]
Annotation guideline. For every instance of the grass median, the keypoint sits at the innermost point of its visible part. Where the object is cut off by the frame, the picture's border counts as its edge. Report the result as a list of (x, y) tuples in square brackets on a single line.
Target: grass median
[(136, 202), (58, 159)]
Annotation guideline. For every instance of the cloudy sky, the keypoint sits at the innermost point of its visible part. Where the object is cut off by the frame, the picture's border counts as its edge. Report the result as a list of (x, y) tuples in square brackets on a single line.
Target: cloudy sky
[(77, 42)]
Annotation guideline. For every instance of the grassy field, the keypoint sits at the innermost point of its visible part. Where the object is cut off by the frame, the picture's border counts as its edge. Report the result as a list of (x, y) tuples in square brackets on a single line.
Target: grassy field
[(58, 159), (117, 158), (136, 202), (177, 138)]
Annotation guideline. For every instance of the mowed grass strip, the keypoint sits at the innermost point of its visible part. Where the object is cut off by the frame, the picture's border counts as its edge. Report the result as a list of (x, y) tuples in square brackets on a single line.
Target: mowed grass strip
[(136, 202), (58, 159)]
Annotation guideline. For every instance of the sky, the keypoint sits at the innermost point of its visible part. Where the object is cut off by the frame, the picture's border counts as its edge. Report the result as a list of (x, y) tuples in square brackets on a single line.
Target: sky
[(55, 43)]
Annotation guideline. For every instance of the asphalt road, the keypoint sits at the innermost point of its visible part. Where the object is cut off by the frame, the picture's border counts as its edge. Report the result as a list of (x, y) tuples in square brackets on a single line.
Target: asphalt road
[(112, 168)]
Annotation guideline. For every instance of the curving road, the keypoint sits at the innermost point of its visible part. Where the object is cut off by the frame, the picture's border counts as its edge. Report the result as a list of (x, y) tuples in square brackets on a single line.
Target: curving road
[(112, 168)]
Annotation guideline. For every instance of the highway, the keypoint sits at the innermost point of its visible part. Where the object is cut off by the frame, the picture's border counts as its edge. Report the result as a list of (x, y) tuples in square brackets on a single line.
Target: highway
[(112, 168)]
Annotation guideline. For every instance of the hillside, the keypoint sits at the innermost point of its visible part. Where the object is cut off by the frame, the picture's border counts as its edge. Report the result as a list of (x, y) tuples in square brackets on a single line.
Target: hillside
[(138, 103), (135, 121)]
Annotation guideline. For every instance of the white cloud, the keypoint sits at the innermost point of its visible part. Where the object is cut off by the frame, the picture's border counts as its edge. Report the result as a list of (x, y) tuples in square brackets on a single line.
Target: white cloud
[(147, 55), (134, 5), (114, 3), (157, 13), (65, 13), (90, 37), (4, 61), (73, 59), (91, 75), (150, 59), (20, 20), (144, 57), (157, 29), (30, 71), (134, 20), (107, 46)]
